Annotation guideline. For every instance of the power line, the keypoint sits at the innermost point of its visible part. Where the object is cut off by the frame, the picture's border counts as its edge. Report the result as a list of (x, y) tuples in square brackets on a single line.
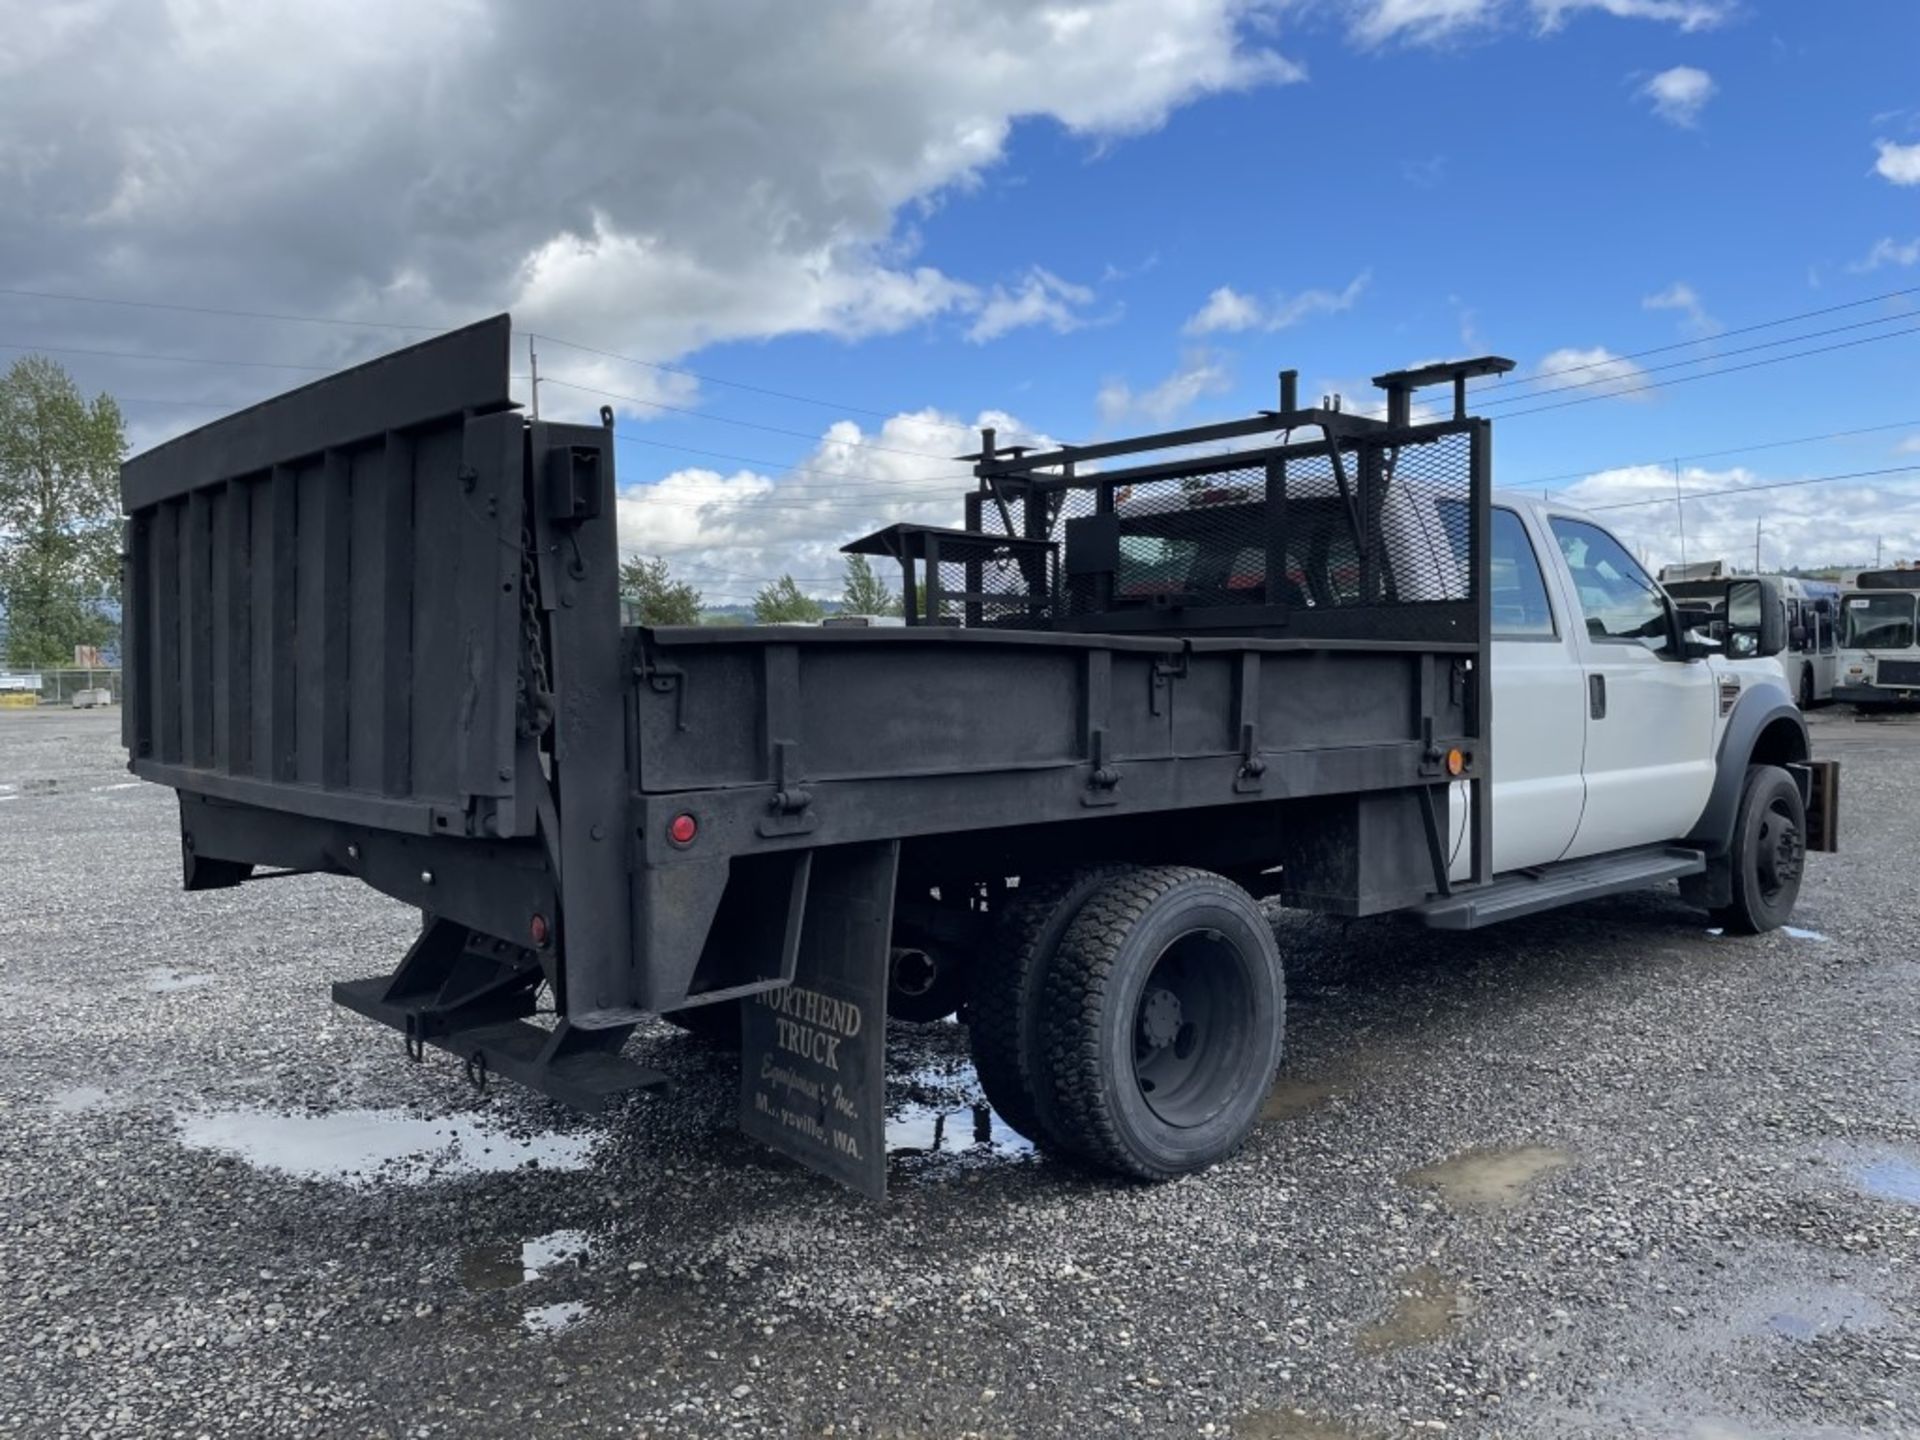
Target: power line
[(1542, 481), (1713, 374), (744, 424), (1704, 359), (782, 466), (215, 310), (172, 359), (707, 379), (1512, 380), (703, 377), (1756, 489)]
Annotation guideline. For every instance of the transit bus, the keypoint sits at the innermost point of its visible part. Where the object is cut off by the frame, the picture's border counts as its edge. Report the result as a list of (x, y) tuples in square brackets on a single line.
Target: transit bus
[(1811, 660), (1879, 659)]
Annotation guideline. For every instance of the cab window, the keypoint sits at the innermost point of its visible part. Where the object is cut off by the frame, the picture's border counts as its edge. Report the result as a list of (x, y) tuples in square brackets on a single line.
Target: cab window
[(1617, 598), (1520, 609)]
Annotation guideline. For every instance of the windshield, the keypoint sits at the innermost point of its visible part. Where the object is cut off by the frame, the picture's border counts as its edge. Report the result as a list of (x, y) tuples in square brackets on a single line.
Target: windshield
[(1878, 622)]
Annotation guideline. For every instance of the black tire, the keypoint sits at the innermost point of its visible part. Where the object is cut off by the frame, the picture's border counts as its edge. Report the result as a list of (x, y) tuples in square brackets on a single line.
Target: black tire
[(1806, 687), (1769, 853), (718, 1024), (1003, 1016), (1164, 1022), (924, 985)]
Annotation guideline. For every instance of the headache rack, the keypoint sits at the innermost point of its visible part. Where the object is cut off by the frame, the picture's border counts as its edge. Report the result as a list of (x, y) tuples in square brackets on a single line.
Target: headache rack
[(1360, 529)]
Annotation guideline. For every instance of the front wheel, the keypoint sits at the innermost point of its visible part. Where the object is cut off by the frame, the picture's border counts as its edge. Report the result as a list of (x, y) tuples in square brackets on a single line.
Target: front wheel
[(1769, 853), (1164, 1022)]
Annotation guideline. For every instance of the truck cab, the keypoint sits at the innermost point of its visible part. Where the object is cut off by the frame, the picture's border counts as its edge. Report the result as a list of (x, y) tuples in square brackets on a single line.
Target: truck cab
[(1616, 713)]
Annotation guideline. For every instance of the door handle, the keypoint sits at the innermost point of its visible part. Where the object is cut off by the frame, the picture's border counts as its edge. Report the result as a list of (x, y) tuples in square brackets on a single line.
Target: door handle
[(1597, 697)]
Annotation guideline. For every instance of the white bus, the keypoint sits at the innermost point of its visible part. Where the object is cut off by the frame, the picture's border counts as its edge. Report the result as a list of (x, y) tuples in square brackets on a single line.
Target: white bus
[(1879, 659), (1811, 661)]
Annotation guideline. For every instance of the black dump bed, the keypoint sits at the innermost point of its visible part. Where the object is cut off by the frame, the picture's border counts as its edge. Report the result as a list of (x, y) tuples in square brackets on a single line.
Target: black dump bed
[(372, 629)]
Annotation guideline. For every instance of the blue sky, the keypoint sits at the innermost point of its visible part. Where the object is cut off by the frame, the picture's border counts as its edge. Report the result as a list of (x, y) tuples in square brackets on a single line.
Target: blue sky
[(1075, 221), (1504, 191)]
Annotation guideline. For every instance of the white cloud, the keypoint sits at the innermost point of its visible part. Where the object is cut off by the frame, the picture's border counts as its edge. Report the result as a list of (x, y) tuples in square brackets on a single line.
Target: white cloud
[(610, 191), (1421, 22), (1595, 370), (730, 533), (1427, 22), (1888, 251), (1684, 298), (1226, 310), (1909, 446), (1689, 15), (1042, 298), (1835, 523), (1898, 163), (1229, 310), (1199, 374), (1290, 310), (1680, 94)]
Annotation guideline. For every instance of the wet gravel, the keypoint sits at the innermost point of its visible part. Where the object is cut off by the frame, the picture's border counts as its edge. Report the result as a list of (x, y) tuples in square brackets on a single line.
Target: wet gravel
[(1600, 1173)]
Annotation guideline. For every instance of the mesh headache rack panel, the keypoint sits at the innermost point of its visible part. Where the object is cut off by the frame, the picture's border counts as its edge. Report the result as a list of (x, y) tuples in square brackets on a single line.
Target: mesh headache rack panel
[(1366, 529)]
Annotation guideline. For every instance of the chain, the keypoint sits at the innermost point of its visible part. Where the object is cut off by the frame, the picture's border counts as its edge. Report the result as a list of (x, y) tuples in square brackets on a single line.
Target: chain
[(536, 685)]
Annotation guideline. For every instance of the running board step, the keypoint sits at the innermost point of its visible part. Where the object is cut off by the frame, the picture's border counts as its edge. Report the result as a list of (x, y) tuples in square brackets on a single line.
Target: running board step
[(1547, 887), (581, 1068)]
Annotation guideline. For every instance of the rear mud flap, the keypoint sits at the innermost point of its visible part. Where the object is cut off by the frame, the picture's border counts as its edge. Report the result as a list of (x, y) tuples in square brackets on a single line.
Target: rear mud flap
[(814, 1054)]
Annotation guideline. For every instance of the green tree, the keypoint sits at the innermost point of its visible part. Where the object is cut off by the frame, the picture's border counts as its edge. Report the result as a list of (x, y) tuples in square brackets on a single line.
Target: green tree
[(781, 603), (59, 512), (662, 599), (866, 592)]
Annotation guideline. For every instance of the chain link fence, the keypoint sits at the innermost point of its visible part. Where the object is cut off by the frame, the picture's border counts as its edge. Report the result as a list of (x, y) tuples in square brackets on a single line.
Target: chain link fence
[(68, 688)]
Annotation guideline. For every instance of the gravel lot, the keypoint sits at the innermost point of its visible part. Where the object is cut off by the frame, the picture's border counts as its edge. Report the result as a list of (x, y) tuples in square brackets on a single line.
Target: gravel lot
[(1600, 1173)]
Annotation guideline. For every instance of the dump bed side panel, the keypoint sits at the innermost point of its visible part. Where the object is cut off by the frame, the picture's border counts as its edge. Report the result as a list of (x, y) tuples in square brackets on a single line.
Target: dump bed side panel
[(322, 596)]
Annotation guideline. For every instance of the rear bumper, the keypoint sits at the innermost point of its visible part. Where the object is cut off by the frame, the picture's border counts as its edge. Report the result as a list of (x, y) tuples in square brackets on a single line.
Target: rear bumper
[(1877, 694)]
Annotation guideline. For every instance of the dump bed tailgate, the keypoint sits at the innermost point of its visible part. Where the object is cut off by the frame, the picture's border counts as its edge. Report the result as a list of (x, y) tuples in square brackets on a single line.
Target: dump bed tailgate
[(322, 597)]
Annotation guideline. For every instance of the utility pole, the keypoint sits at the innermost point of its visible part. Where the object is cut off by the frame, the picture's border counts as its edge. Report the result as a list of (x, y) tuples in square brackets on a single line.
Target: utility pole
[(1756, 544), (1680, 504), (533, 365)]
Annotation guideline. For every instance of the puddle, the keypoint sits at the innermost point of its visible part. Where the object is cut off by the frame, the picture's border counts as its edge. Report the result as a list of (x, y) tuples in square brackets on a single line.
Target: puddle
[(1804, 1315), (1489, 1179), (78, 1100), (1291, 1098), (504, 1266), (163, 982), (1294, 1425), (1427, 1307), (1890, 1176), (363, 1146), (1798, 934), (552, 1319), (937, 1109), (972, 1130)]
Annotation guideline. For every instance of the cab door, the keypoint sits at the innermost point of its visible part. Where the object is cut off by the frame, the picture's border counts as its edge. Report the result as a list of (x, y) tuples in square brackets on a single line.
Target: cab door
[(1649, 713), (1539, 710)]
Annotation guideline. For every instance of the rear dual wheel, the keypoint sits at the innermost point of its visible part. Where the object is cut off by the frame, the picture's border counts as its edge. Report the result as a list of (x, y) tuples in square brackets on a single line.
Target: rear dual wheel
[(1153, 1024)]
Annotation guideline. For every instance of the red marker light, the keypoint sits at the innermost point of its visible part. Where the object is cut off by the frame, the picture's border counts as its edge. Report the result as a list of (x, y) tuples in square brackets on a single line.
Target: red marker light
[(682, 828), (537, 930)]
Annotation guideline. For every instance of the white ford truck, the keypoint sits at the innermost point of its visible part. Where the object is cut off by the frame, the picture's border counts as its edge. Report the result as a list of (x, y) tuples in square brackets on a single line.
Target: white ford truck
[(1622, 728), (373, 630)]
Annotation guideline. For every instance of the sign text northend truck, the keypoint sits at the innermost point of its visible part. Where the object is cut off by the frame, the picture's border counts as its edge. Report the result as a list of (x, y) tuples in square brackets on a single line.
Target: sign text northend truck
[(373, 630)]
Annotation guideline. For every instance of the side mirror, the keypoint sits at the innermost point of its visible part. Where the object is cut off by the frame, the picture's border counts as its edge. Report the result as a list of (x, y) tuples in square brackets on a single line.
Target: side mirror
[(1756, 619), (1698, 624)]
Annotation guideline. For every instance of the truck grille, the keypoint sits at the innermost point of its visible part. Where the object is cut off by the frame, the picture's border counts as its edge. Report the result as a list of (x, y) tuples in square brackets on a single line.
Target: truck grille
[(1898, 672)]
